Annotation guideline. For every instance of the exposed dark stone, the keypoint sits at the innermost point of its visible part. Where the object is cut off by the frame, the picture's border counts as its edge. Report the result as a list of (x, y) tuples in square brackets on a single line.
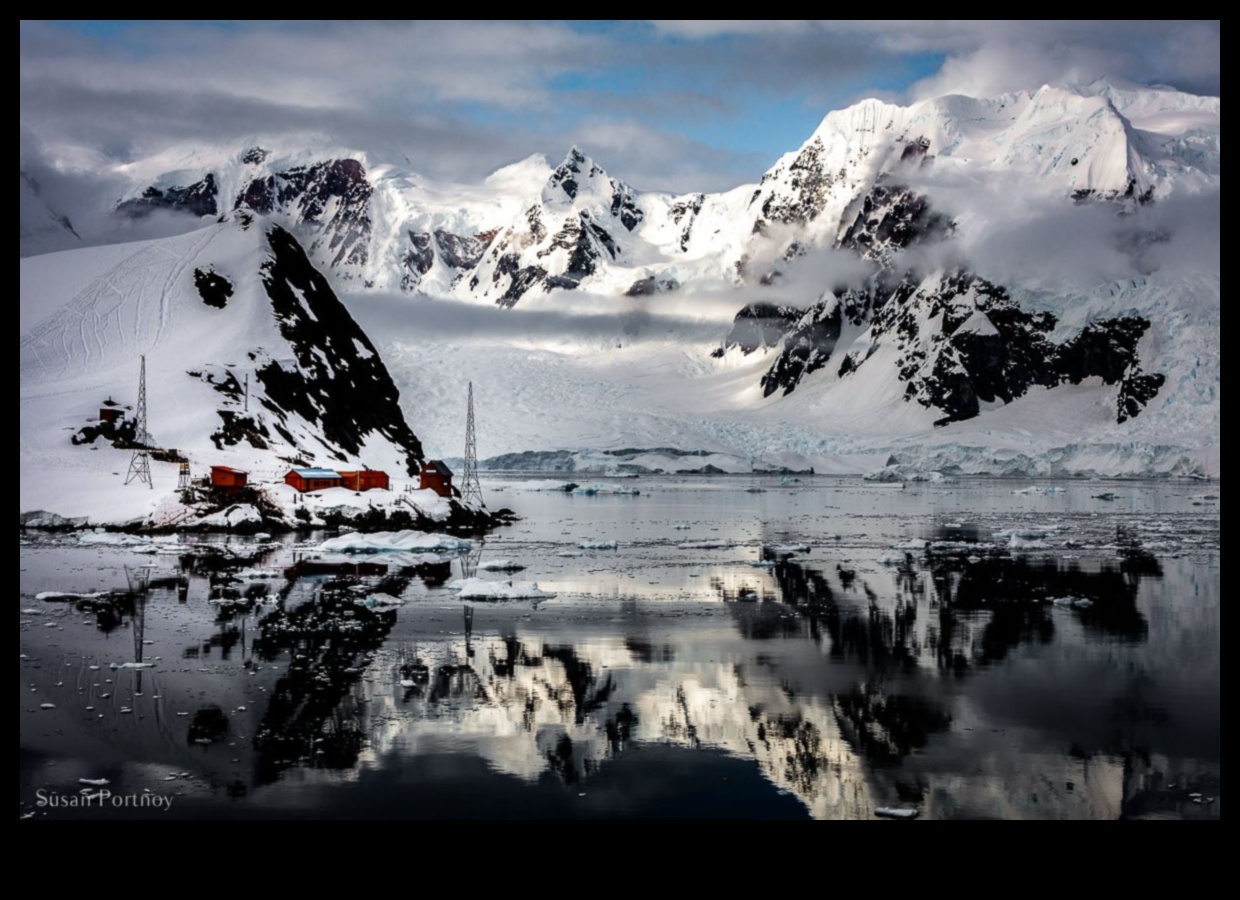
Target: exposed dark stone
[(522, 281), (582, 238), (1126, 198), (254, 156), (238, 428), (980, 345), (339, 380), (808, 187), (893, 217), (1106, 349), (565, 175), (306, 193), (602, 236), (625, 206), (214, 289), (650, 285), (685, 212), (197, 199), (807, 348), (417, 260), (119, 433), (1135, 391), (760, 325), (533, 218), (507, 265), (462, 252)]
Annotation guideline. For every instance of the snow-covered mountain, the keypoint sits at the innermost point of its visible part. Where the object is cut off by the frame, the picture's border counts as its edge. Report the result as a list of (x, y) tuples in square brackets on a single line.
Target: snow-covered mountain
[(926, 280), (251, 359)]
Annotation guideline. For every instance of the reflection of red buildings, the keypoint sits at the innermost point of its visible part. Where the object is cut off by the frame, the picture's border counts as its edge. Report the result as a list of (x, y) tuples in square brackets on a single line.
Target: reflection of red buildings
[(229, 478), (437, 477), (313, 479), (365, 480)]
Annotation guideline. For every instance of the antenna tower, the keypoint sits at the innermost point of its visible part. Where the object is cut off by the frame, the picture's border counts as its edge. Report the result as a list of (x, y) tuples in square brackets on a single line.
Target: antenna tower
[(140, 462), (471, 490)]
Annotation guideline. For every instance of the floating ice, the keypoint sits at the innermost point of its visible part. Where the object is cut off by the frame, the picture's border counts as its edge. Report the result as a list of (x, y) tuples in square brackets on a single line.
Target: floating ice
[(394, 542), (68, 595), (112, 539), (563, 487), (589, 544), (481, 589), (592, 489)]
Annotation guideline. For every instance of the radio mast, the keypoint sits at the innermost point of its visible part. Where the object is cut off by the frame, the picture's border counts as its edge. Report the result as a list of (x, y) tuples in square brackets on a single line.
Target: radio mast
[(140, 462), (471, 490)]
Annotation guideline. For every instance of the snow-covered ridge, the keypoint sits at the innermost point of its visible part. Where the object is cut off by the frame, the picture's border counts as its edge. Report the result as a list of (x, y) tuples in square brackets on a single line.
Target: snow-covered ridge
[(370, 221)]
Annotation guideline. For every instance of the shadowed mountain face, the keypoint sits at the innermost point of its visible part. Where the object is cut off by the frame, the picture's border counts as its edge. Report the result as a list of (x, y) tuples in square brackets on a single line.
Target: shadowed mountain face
[(958, 341)]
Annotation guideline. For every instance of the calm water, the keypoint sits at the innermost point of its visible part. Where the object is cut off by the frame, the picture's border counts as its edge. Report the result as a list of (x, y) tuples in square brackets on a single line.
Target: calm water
[(964, 651)]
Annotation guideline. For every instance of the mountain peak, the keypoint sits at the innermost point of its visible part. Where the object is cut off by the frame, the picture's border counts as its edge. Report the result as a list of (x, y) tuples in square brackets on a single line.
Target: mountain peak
[(576, 172)]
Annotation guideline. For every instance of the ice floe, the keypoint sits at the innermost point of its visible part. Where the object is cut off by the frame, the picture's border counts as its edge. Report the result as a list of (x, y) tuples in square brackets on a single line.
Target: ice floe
[(481, 589), (395, 542)]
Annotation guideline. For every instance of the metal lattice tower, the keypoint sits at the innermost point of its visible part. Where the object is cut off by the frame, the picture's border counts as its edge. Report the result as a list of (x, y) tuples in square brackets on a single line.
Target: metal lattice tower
[(471, 490), (140, 462)]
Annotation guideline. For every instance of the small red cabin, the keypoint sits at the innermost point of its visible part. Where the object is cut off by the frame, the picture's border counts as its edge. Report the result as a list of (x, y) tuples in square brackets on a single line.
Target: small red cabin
[(437, 477), (306, 480), (365, 480), (227, 477), (110, 413)]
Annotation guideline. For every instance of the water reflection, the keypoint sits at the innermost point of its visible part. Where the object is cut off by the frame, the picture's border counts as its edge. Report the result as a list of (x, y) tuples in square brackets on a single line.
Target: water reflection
[(963, 681)]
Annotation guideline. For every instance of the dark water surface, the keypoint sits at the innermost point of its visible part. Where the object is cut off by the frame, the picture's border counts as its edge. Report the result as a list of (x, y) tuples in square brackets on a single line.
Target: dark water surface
[(818, 648)]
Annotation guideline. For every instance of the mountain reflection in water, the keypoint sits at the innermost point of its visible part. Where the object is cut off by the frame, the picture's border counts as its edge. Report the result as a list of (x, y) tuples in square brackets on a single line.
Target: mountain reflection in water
[(957, 679)]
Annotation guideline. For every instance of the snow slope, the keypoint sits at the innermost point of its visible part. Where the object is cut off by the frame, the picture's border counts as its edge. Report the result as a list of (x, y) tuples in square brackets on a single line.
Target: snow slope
[(251, 362)]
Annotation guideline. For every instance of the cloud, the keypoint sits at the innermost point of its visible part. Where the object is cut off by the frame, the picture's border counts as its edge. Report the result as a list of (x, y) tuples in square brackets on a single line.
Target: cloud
[(680, 106), (984, 58), (574, 317)]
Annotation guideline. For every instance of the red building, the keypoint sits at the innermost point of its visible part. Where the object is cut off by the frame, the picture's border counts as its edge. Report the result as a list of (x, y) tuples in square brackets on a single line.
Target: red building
[(306, 480), (365, 480), (227, 477), (437, 477), (111, 414)]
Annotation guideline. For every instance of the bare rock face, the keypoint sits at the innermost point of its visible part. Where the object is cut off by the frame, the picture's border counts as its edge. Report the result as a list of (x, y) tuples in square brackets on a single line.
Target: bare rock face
[(197, 199), (330, 200), (336, 380), (959, 341)]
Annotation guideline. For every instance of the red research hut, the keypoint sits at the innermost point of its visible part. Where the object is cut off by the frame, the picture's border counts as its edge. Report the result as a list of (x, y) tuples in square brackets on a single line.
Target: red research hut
[(306, 480), (437, 477)]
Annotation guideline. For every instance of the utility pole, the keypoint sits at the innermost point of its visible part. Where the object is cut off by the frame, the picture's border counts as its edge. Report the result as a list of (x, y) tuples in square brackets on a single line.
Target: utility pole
[(140, 462), (471, 490)]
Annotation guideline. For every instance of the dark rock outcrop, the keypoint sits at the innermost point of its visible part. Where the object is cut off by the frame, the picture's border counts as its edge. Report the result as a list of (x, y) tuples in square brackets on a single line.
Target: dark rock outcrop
[(338, 382), (198, 199)]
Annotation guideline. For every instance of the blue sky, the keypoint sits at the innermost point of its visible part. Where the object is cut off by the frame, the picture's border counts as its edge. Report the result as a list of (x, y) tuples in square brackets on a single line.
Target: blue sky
[(665, 105)]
